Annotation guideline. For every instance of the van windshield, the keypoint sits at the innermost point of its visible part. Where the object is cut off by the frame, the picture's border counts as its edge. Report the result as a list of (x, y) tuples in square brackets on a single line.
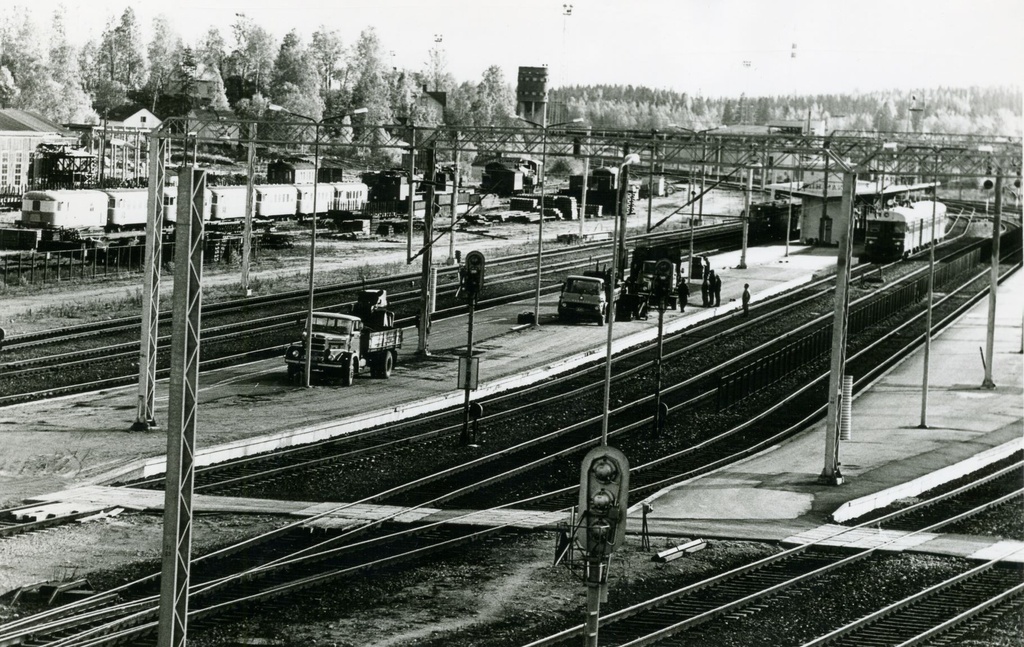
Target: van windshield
[(577, 286)]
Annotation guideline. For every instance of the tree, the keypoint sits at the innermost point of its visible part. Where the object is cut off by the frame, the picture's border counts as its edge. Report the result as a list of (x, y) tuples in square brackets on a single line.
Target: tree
[(220, 97), (24, 58), (435, 74), (326, 50), (295, 83), (253, 58), (8, 89), (459, 111), (495, 100), (120, 54), (885, 117), (186, 71), (211, 51), (728, 114), (75, 105), (164, 57), (371, 74)]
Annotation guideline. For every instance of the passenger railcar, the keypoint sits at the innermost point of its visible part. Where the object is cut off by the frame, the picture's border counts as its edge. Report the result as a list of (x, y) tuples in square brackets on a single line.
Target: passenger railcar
[(324, 197), (126, 208), (350, 197), (273, 201), (897, 232), (64, 209), (118, 209), (227, 203), (171, 205)]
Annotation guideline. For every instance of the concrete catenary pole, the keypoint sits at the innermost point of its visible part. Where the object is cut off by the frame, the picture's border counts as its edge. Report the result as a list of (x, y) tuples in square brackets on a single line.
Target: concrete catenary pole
[(831, 473)]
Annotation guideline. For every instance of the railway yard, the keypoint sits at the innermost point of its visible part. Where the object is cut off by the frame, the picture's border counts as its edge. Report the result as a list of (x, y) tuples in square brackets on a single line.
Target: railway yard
[(356, 516)]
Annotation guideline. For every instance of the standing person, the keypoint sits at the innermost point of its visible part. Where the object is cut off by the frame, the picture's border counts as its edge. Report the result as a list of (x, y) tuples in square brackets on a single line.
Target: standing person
[(704, 292), (746, 299), (717, 289), (684, 295), (706, 262)]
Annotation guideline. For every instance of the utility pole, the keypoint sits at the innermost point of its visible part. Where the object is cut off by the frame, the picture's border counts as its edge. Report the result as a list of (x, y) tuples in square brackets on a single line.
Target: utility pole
[(993, 283), (426, 297), (831, 474), (183, 407), (746, 217)]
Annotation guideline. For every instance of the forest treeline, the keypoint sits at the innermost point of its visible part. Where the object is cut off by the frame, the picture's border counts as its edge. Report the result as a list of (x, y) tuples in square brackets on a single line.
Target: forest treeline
[(248, 68)]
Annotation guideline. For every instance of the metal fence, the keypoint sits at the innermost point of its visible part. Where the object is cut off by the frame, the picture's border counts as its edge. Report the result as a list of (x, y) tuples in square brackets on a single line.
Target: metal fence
[(30, 268)]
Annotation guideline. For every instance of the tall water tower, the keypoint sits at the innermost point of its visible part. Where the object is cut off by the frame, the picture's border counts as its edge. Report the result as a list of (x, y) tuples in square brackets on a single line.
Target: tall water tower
[(532, 94)]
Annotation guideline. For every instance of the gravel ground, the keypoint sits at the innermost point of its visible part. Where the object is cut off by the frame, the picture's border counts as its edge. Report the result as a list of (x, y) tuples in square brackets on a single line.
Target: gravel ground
[(499, 593)]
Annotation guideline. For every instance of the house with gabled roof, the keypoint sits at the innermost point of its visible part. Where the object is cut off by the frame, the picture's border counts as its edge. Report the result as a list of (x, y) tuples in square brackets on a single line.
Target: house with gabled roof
[(133, 116)]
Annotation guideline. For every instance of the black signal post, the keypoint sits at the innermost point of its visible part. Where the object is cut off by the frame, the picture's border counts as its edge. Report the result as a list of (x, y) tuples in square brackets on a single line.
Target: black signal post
[(471, 276), (664, 284)]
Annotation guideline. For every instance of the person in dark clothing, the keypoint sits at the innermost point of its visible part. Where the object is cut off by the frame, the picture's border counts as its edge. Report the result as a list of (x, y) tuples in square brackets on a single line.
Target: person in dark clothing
[(684, 295), (746, 299), (716, 288), (704, 292)]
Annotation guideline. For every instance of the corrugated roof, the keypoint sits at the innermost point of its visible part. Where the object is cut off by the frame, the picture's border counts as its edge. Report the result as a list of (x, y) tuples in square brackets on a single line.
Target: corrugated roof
[(25, 121)]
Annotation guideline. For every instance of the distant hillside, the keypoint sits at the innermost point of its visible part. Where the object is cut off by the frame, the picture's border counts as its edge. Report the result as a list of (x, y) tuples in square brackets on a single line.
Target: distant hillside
[(975, 110)]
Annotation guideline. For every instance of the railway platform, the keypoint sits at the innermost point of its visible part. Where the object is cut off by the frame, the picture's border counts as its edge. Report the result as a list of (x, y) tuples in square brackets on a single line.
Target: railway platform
[(253, 408), (777, 494)]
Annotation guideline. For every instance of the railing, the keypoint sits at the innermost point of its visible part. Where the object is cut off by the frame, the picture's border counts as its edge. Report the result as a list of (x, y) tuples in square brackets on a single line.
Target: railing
[(83, 263)]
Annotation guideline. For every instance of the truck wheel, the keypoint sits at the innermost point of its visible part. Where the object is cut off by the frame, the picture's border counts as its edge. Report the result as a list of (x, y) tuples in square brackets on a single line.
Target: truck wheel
[(600, 319), (387, 364), (293, 373), (348, 373)]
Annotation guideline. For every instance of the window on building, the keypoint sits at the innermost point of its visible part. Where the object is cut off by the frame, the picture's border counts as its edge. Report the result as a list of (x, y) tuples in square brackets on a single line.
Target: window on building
[(4, 168)]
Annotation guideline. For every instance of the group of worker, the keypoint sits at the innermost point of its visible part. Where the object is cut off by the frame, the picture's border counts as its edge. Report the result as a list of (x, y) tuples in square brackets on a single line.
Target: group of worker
[(711, 288)]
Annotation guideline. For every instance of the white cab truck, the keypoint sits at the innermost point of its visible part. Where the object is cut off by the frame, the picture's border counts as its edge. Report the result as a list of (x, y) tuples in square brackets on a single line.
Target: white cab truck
[(584, 297)]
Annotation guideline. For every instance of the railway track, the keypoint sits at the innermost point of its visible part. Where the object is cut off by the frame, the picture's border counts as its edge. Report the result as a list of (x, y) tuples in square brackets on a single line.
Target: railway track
[(136, 620), (694, 614), (293, 565), (283, 589), (52, 363), (697, 385)]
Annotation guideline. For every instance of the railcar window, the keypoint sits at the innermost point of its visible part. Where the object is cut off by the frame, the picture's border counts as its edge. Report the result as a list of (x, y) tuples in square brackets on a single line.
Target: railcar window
[(35, 205)]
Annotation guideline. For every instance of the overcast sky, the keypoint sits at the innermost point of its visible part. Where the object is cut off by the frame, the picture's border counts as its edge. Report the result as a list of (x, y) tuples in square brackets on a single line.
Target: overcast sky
[(710, 47)]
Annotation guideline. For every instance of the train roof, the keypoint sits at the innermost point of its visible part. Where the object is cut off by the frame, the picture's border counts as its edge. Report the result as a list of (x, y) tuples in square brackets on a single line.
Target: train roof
[(63, 194), (916, 212)]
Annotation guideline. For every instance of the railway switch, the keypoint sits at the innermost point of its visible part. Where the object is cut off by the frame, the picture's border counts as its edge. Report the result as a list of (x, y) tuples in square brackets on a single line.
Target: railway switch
[(604, 490)]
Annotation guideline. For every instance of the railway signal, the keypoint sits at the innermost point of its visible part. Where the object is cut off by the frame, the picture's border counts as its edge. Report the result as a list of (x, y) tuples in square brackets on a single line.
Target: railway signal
[(604, 490), (473, 274), (664, 281)]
